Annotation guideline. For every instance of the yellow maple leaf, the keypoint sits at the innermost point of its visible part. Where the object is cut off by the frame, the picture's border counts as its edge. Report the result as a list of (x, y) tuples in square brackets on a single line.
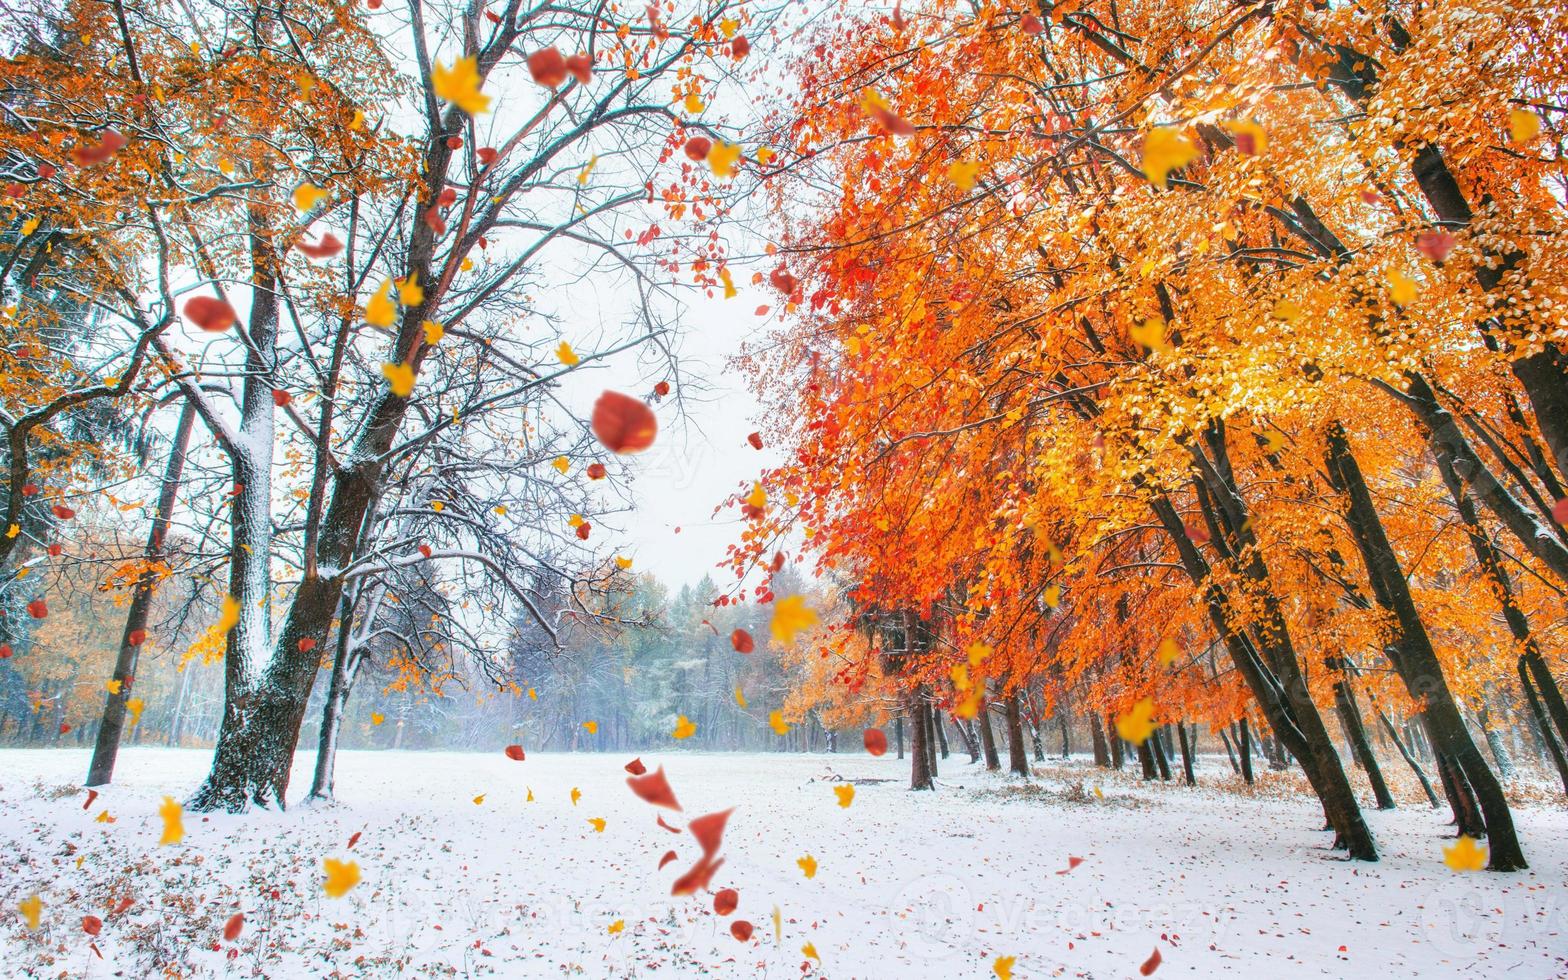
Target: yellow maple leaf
[(459, 85), (810, 950), (729, 26), (113, 686), (32, 909), (379, 311), (400, 378), (791, 616), (530, 794), (534, 695), (1137, 725), (377, 717), (1167, 652), (1401, 288), (776, 719), (723, 157), (740, 698), (1053, 595), (307, 196), (479, 800), (764, 155), (133, 707), (597, 823), (978, 652), (808, 865), (341, 876), (577, 794), (758, 497), (562, 464), (437, 506), (684, 727), (1466, 854), (409, 292), (576, 520), (1150, 334), (622, 563), (730, 292), (433, 331), (1164, 150), (105, 817), (1523, 125), (29, 226), (963, 173), (693, 103), (229, 617), (566, 354), (173, 827), (1003, 967), (617, 926), (845, 794)]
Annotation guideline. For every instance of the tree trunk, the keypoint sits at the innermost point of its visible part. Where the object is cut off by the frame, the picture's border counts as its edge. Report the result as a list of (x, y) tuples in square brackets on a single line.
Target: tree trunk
[(1186, 755), (971, 743), (345, 667), (1356, 732), (1543, 725), (1244, 749), (1161, 756), (1102, 750), (1416, 661), (1067, 749), (101, 770), (1410, 759), (1017, 760), (898, 731), (928, 722), (1118, 748), (920, 757), (1230, 753), (1146, 760), (941, 731), (988, 739)]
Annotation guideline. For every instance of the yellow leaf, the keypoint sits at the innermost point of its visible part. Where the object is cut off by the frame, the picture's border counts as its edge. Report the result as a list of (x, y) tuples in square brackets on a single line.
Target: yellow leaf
[(963, 174), (1164, 150), (598, 824), (400, 378), (1287, 311), (104, 817), (1401, 288), (562, 464), (32, 909), (791, 616), (808, 866), (776, 719), (358, 121), (1136, 725), (479, 800), (500, 509), (592, 726), (1149, 334), (730, 292), (845, 794), (437, 506), (113, 686), (722, 158), (1275, 440), (978, 652), (433, 332), (622, 563), (341, 876), (693, 103), (1250, 138), (1053, 595), (13, 531), (617, 926), (758, 497), (459, 85), (409, 292), (1003, 967), (133, 707), (173, 829), (307, 196), (810, 950), (532, 694), (740, 698), (29, 226), (729, 26), (1465, 855), (1523, 125), (566, 354), (684, 727), (1168, 652), (577, 794), (576, 520), (530, 794), (764, 155), (582, 175), (778, 925), (379, 311), (377, 717), (230, 616)]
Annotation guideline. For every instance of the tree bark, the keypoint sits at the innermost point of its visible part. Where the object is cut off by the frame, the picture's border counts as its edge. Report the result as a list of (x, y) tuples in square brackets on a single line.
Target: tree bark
[(988, 739), (1356, 732), (1543, 725), (1017, 759), (919, 755), (1186, 754), (1102, 750), (1409, 757), (107, 746), (1244, 749)]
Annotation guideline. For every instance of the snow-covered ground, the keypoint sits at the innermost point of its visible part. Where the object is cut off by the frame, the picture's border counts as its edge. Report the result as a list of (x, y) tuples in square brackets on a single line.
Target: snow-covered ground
[(907, 885)]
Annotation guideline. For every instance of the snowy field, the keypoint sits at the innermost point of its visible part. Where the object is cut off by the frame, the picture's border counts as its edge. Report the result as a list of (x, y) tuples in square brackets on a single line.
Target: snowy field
[(907, 885)]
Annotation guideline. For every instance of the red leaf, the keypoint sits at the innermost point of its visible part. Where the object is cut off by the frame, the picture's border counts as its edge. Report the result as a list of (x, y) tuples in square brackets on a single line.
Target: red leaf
[(65, 727), (1560, 512), (92, 794), (778, 561), (1072, 862), (55, 550), (740, 47), (492, 16), (307, 644), (486, 155), (725, 901), (125, 904), (1196, 533), (514, 752), (281, 398), (424, 549), (697, 148), (447, 198), (5, 651), (661, 389), (635, 767), (136, 638), (876, 741), (547, 67), (583, 529), (668, 857), (1031, 25), (755, 439), (709, 830), (660, 821), (38, 609), (231, 928), (210, 313), (107, 146), (324, 249), (29, 489), (623, 423), (1151, 964), (354, 839), (596, 471), (697, 878), (740, 929), (581, 67), (742, 641), (92, 925), (1435, 244), (63, 512), (433, 219), (783, 281), (654, 788)]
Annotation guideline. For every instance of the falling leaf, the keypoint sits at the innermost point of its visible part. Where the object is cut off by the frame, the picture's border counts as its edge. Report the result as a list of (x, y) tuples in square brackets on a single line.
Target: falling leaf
[(624, 424), (582, 175), (1164, 150), (328, 246), (962, 173), (1523, 125), (88, 154), (1435, 243), (459, 85), (514, 752), (725, 901), (433, 331), (577, 794), (791, 616), (654, 788), (875, 740), (1168, 652), (776, 720), (307, 196), (1052, 596), (105, 817), (592, 726), (1003, 967), (400, 378), (409, 292), (598, 824), (29, 226), (684, 728), (778, 925), (1401, 288), (741, 929), (341, 876), (32, 909), (112, 686), (1466, 854), (723, 157), (210, 313), (379, 311), (617, 926), (808, 866), (1249, 136), (740, 698), (810, 950), (624, 564), (742, 641), (1072, 862), (173, 828), (547, 67), (873, 105), (562, 464), (845, 794), (1151, 964), (693, 103), (231, 929), (1136, 725), (567, 355), (377, 717), (1149, 334)]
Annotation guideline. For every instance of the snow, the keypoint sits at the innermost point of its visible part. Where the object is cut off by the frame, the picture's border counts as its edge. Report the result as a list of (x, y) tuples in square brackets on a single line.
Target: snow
[(1223, 883)]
